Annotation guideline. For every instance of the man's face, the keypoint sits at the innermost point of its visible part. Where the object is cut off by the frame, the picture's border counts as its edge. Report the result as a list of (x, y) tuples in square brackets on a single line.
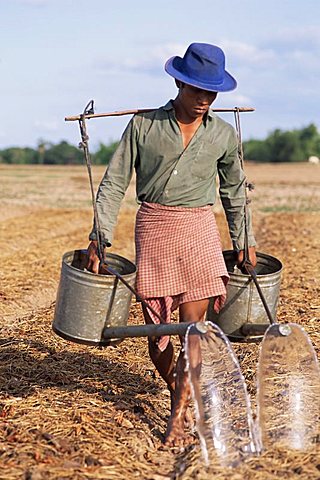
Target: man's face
[(196, 101)]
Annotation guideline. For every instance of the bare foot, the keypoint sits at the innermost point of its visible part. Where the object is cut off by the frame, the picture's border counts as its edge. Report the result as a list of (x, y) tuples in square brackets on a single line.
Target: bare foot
[(176, 436), (175, 430), (188, 417)]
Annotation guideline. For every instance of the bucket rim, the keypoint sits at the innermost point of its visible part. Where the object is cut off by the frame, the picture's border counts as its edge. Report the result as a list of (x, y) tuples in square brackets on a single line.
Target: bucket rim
[(259, 255), (108, 255)]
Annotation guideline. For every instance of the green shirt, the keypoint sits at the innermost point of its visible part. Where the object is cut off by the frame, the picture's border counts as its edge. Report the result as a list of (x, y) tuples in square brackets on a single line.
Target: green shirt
[(168, 174)]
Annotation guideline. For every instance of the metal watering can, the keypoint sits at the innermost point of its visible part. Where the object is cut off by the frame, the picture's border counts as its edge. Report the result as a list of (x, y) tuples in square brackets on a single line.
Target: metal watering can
[(88, 303), (243, 316)]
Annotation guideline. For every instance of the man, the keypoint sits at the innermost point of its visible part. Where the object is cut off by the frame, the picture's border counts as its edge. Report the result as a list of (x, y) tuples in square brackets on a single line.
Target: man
[(177, 151)]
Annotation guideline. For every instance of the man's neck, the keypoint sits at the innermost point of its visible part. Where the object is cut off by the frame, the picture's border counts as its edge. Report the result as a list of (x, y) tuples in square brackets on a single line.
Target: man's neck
[(182, 116)]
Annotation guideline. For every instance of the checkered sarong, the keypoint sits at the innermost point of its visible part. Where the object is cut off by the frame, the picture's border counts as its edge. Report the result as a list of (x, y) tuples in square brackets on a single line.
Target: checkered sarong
[(179, 258)]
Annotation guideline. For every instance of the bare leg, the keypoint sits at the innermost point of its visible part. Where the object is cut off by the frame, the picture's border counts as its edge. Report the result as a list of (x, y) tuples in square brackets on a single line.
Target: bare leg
[(175, 435), (163, 361)]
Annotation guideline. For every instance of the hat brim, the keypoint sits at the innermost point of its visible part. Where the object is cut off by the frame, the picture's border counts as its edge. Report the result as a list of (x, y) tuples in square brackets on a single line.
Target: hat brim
[(172, 68)]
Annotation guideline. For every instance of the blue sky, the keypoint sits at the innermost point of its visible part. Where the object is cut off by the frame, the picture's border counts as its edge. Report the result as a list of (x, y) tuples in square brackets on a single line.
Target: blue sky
[(56, 55)]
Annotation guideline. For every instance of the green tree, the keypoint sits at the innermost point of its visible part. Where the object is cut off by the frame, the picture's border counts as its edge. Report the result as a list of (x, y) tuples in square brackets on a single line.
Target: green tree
[(43, 146), (104, 153), (62, 154), (257, 150), (284, 146), (310, 140), (16, 155)]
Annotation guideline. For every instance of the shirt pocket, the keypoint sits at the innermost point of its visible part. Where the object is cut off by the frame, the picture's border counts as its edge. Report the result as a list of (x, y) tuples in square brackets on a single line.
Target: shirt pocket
[(204, 164)]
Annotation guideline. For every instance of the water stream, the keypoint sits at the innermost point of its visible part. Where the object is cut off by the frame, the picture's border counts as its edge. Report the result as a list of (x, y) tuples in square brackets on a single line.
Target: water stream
[(222, 405), (288, 389)]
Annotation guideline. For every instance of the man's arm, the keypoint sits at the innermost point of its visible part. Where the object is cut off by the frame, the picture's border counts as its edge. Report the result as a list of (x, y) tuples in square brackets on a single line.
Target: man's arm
[(111, 192), (233, 198)]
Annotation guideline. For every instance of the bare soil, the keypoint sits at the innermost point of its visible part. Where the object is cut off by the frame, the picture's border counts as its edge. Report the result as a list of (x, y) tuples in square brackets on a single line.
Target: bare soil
[(72, 411)]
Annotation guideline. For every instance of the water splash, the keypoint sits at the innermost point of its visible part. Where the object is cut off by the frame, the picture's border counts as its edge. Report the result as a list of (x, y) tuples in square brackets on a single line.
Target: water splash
[(222, 405), (288, 389)]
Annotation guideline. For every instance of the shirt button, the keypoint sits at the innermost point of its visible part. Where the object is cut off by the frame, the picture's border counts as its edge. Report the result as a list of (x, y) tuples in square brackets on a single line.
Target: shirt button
[(175, 172)]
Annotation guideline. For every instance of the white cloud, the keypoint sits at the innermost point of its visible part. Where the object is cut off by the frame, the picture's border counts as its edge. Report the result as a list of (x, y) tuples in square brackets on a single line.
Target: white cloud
[(158, 54), (246, 53), (151, 63), (297, 51), (286, 67), (287, 49), (305, 38), (238, 99)]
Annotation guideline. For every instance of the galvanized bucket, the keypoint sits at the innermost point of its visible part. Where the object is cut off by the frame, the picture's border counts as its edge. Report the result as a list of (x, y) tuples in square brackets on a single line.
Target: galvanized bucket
[(87, 303), (243, 304)]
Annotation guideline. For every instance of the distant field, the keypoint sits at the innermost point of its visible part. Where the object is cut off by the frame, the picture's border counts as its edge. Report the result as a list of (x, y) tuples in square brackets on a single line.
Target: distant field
[(279, 187)]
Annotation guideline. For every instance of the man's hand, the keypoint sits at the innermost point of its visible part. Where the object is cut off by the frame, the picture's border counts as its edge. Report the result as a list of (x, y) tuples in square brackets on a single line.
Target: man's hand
[(93, 257), (252, 257)]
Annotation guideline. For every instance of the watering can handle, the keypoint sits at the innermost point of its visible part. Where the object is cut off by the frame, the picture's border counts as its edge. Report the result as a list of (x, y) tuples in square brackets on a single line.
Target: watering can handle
[(249, 268), (247, 265), (105, 267)]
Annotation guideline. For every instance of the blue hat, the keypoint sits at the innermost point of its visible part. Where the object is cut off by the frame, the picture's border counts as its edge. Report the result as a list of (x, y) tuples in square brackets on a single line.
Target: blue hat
[(202, 66)]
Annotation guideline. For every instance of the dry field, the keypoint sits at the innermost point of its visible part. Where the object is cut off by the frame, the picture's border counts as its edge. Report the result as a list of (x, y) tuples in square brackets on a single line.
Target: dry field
[(77, 412)]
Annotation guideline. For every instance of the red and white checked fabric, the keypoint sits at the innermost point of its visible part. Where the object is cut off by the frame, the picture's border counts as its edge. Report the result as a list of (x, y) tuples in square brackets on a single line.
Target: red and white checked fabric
[(179, 258)]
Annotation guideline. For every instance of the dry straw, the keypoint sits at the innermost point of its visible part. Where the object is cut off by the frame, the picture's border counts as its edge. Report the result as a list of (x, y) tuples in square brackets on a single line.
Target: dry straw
[(69, 411)]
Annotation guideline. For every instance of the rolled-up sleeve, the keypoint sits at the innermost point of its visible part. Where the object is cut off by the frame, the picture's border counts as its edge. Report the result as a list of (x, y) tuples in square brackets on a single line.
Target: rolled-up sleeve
[(114, 185), (232, 194)]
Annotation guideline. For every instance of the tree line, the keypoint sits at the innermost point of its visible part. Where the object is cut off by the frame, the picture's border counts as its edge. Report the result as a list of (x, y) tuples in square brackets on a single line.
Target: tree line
[(284, 146), (56, 154), (279, 146)]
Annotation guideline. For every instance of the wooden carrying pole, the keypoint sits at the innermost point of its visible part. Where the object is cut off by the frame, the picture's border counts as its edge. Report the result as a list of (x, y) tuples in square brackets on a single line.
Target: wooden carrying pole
[(144, 110), (158, 330), (152, 330)]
